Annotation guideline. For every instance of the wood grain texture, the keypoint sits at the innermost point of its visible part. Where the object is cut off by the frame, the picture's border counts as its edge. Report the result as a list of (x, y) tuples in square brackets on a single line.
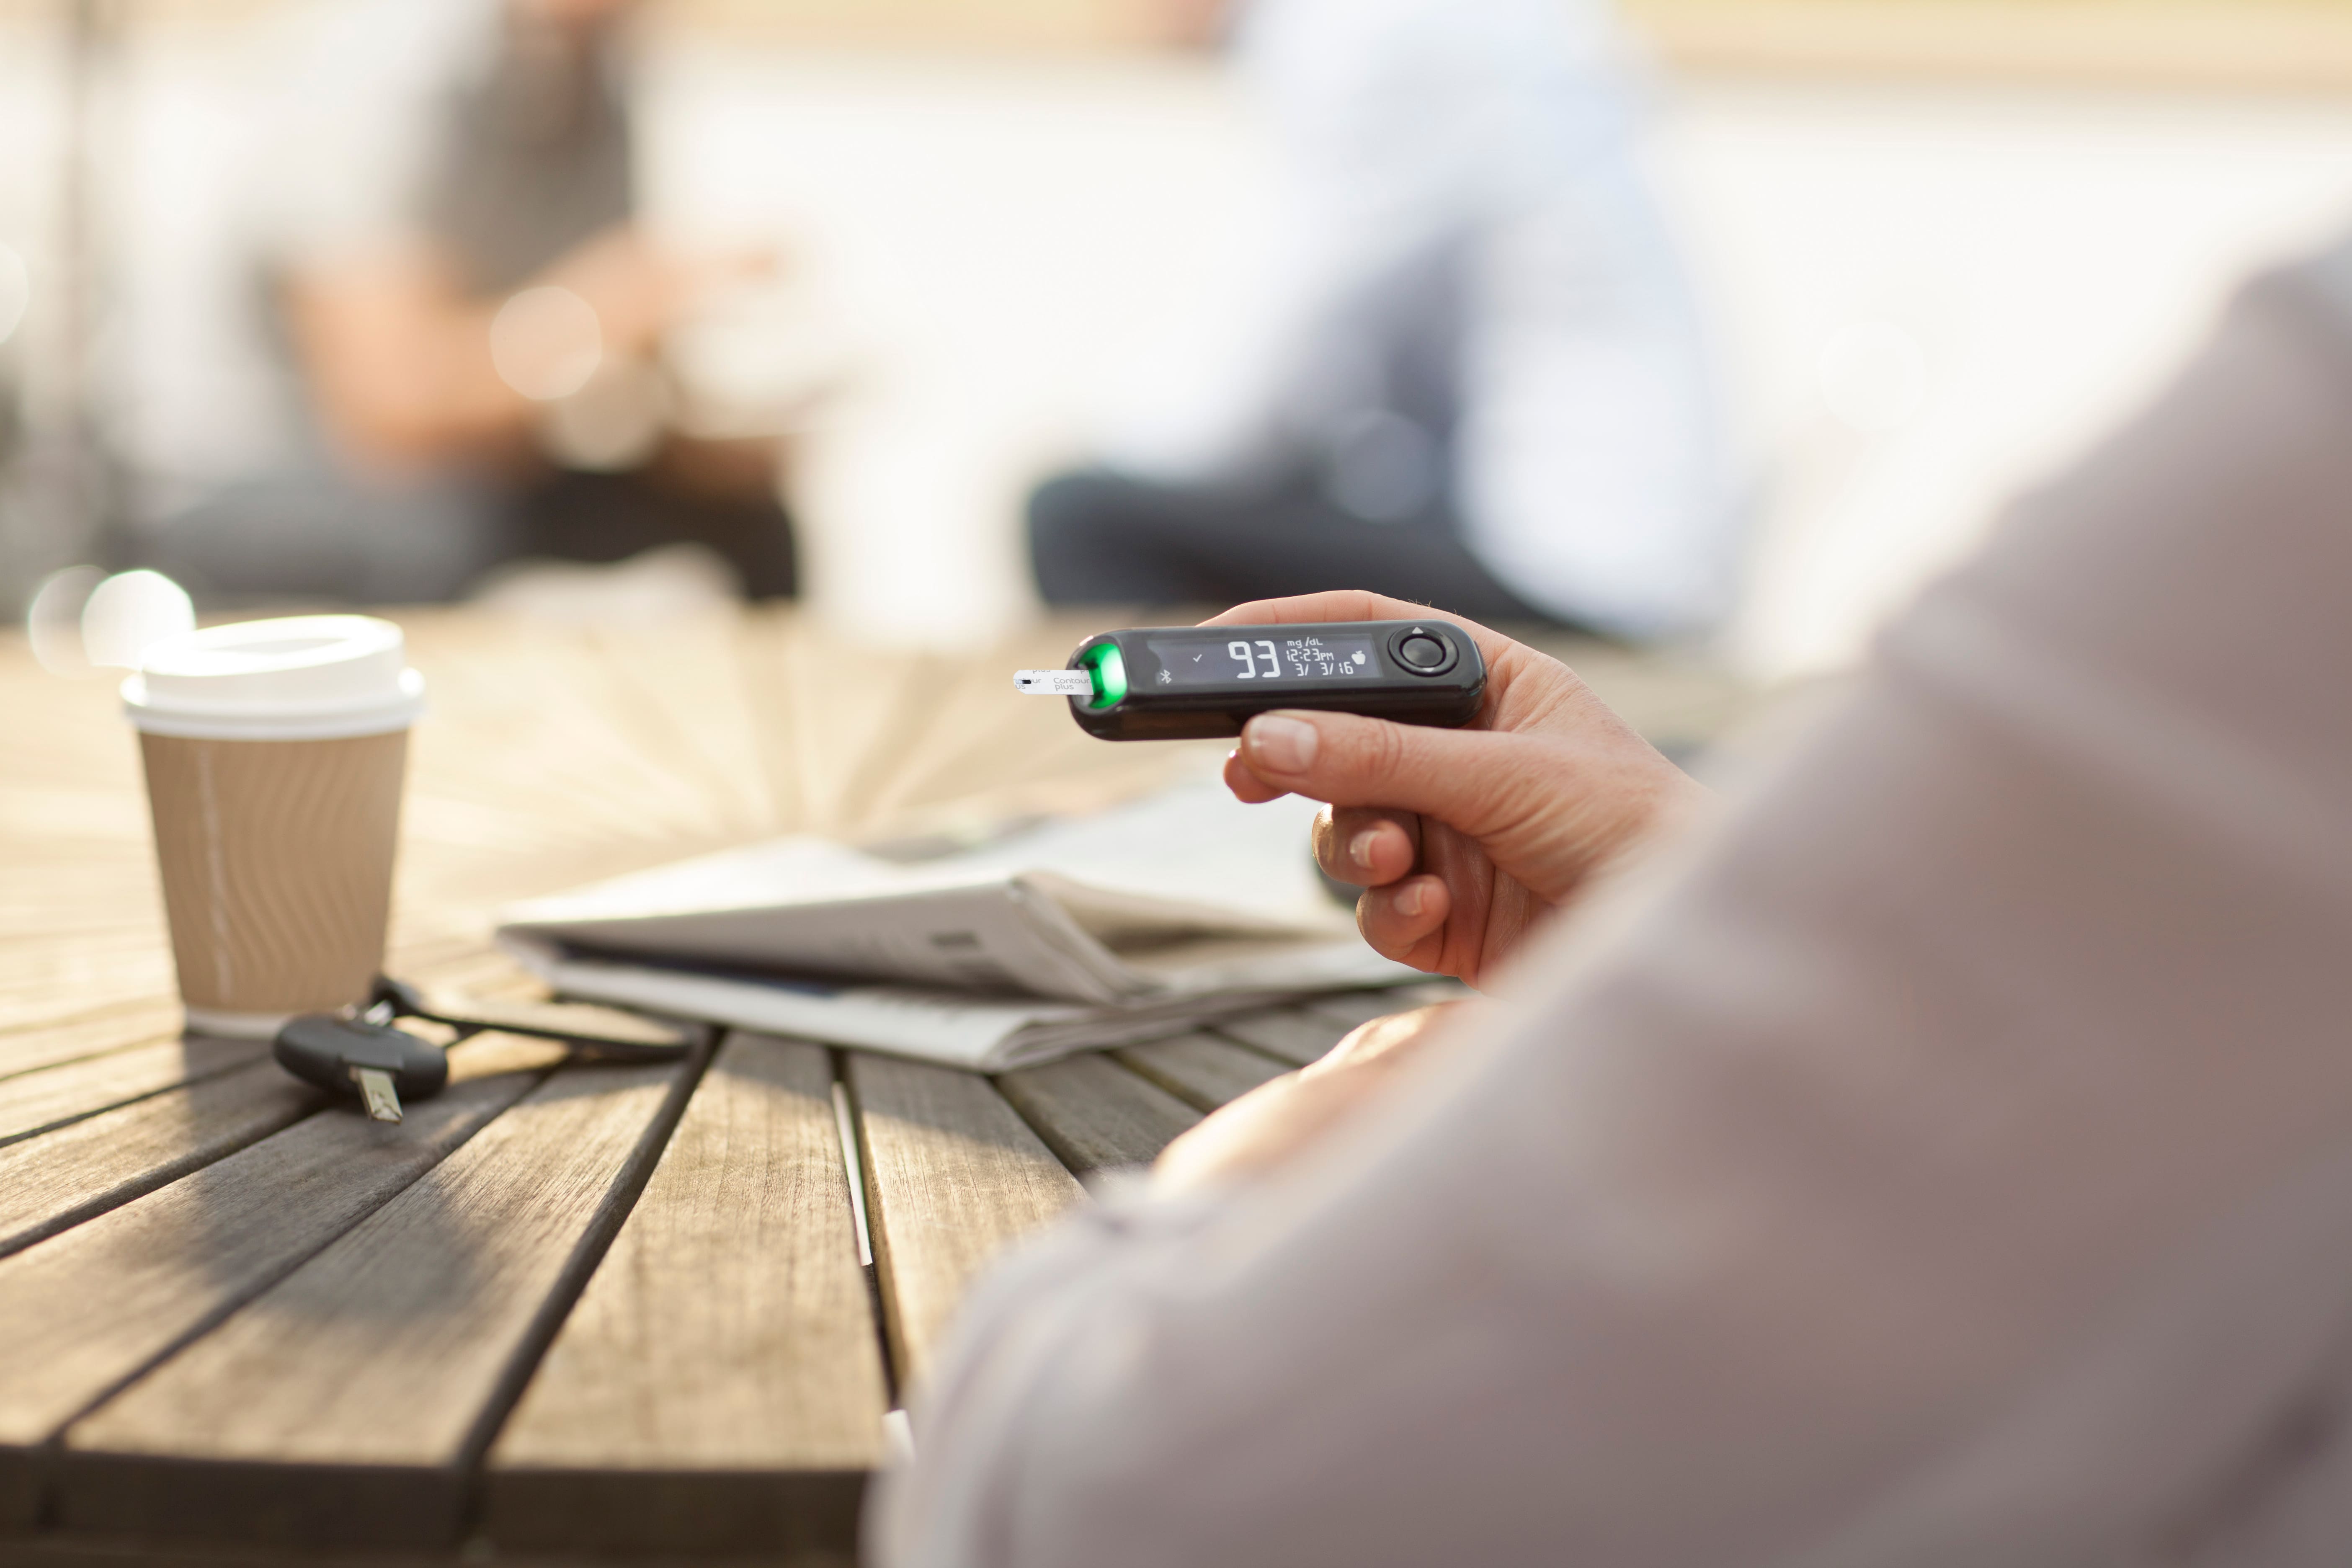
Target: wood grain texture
[(88, 1310), (552, 756), (1095, 1115), (62, 1178), (1203, 1069), (33, 1102), (952, 1173), (47, 977), (719, 1387), (678, 692), (379, 1366), (1295, 1034), (986, 753), (1352, 1008), (100, 1031)]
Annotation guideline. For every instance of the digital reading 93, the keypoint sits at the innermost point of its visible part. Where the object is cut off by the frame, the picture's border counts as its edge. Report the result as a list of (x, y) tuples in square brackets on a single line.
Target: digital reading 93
[(1173, 683)]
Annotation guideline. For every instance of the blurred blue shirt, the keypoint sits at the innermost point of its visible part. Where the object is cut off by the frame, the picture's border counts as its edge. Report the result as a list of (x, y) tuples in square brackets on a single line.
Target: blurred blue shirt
[(1471, 289)]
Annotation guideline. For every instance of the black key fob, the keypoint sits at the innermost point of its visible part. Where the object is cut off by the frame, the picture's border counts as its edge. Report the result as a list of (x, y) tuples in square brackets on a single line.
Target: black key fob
[(331, 1052)]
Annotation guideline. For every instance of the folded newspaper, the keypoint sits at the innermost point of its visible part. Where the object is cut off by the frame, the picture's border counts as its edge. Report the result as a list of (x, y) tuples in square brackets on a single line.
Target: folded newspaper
[(1126, 925)]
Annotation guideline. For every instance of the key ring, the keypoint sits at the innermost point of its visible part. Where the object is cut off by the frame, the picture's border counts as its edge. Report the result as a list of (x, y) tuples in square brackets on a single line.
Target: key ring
[(358, 1052), (593, 1033)]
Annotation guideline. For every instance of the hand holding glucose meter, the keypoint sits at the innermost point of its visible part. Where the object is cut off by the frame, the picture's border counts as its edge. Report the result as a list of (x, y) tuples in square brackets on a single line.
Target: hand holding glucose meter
[(1176, 683)]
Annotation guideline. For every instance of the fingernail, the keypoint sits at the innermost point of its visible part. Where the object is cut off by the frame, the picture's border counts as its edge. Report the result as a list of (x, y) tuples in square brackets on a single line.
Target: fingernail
[(1408, 900), (1285, 746), (1360, 848)]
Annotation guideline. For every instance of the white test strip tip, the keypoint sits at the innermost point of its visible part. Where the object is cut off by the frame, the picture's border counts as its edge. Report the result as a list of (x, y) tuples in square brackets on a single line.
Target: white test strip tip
[(1053, 682)]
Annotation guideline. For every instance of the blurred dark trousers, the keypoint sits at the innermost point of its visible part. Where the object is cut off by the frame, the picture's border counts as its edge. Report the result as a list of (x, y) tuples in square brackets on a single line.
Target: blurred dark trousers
[(320, 536), (1101, 538)]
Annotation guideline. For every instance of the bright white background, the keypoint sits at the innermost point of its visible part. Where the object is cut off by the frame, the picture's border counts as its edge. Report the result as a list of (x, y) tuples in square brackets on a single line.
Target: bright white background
[(1926, 299)]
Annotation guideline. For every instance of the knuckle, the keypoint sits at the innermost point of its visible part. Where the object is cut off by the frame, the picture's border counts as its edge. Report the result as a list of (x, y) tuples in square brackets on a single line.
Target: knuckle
[(1375, 749), (1523, 782)]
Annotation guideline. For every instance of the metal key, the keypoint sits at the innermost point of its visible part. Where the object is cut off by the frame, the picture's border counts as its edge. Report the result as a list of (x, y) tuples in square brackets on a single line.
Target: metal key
[(378, 1093)]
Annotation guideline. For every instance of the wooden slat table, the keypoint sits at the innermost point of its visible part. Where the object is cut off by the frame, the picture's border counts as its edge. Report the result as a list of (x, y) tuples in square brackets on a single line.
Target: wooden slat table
[(561, 1310)]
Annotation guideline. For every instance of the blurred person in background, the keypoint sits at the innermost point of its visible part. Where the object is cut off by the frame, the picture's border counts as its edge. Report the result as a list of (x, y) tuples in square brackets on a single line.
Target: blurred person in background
[(1477, 380), (469, 325)]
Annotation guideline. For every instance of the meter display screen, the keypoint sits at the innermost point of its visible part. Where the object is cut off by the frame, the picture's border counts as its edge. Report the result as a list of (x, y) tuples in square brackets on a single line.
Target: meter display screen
[(1228, 656)]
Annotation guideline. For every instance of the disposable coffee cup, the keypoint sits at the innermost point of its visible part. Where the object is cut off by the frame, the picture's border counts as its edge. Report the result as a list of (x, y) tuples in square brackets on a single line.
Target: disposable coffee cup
[(275, 754)]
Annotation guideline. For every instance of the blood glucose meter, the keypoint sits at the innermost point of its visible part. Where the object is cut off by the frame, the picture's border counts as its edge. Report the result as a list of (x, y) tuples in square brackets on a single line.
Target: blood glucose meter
[(1171, 683)]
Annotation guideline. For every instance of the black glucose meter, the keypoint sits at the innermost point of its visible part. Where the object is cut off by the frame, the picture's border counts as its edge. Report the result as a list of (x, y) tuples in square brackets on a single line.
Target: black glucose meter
[(1175, 683)]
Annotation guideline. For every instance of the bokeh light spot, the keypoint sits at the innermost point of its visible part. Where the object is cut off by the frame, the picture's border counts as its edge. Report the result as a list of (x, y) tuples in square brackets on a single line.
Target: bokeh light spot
[(53, 620), (129, 613), (546, 342)]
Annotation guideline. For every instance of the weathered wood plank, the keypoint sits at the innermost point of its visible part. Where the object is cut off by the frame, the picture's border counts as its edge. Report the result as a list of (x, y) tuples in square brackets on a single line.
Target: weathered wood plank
[(34, 1101), (1305, 1031), (1295, 1034), (678, 692), (62, 1178), (981, 735), (346, 1405), (1353, 1008), (1095, 1115), (651, 771), (719, 1387), (1201, 1070), (1349, 1009), (100, 1030), (833, 712), (49, 975), (488, 819), (511, 694), (86, 1311), (952, 1173)]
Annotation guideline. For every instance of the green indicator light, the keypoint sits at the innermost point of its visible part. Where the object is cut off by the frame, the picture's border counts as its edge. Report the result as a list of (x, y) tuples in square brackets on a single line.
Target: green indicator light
[(1108, 669)]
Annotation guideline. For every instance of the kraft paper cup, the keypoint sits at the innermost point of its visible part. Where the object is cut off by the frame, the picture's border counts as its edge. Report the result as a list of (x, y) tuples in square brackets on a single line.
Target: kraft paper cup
[(274, 753)]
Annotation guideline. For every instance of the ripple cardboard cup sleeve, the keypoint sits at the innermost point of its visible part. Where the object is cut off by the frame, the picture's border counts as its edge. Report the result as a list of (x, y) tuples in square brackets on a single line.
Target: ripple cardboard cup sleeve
[(275, 754)]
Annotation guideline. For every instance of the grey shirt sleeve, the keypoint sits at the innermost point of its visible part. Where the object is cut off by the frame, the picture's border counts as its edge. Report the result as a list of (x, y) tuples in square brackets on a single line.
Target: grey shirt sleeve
[(1947, 1160)]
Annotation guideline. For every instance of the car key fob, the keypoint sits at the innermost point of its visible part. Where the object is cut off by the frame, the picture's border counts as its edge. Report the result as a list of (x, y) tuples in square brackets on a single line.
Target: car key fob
[(380, 1064)]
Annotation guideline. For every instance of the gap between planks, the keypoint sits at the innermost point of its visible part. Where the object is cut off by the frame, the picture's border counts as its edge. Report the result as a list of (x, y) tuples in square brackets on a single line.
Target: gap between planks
[(957, 1167), (718, 1388), (86, 1314), (348, 1404), (953, 1175), (1096, 1114)]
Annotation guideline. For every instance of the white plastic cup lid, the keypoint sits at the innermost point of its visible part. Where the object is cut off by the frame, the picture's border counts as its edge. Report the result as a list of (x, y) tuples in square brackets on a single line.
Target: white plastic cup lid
[(303, 678)]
